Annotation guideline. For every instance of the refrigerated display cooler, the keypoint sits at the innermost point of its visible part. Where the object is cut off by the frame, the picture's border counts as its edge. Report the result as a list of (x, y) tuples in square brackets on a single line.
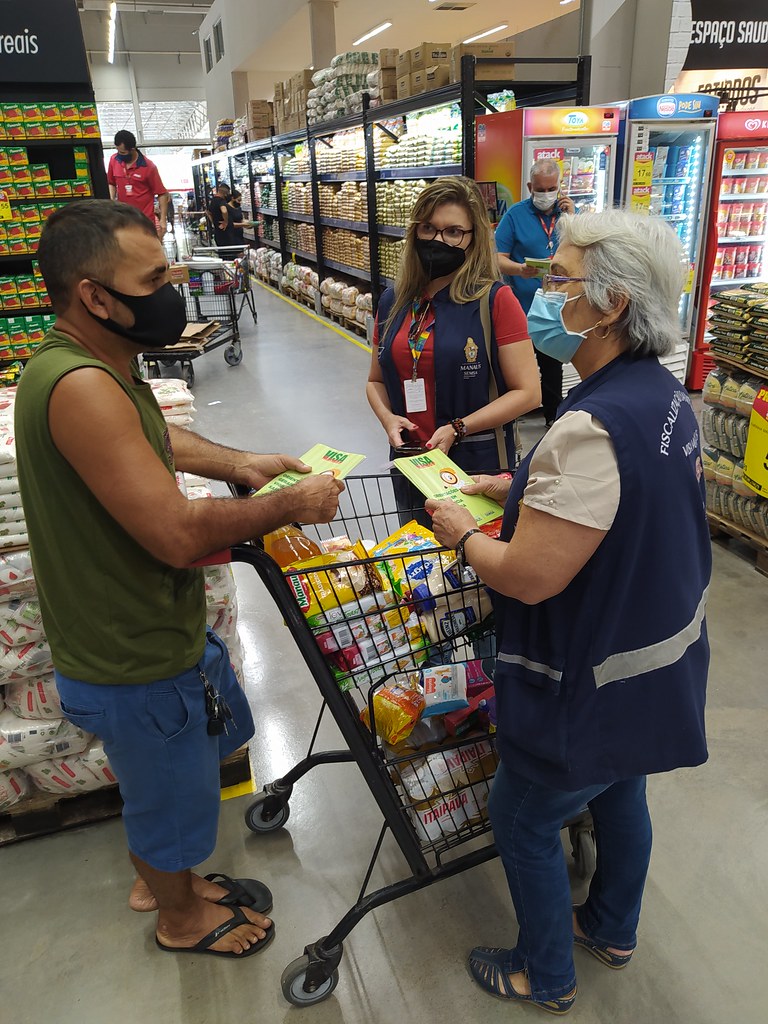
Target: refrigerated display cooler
[(666, 145), (737, 225), (582, 140)]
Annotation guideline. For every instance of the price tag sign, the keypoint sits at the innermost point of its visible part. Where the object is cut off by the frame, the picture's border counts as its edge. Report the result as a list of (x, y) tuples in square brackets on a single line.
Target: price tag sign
[(640, 200), (642, 170), (5, 206), (756, 456)]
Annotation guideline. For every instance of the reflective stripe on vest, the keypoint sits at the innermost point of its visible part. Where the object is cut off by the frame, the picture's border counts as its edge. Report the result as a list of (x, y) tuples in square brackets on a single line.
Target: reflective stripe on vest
[(649, 659), (533, 666)]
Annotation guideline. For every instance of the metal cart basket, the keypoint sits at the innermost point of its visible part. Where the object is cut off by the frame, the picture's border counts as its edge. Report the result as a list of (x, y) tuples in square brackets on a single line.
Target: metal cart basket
[(215, 295), (365, 625)]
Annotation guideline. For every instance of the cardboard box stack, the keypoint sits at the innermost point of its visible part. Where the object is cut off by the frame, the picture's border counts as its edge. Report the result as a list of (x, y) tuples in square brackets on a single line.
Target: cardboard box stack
[(259, 120), (290, 102), (424, 67), (484, 72)]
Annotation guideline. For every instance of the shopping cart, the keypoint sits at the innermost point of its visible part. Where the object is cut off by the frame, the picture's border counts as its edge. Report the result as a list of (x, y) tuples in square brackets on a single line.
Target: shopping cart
[(239, 258), (431, 788), (211, 298)]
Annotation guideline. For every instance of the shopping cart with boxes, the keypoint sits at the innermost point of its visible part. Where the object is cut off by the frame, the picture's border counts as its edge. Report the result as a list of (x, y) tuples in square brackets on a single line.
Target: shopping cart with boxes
[(383, 627), (215, 291)]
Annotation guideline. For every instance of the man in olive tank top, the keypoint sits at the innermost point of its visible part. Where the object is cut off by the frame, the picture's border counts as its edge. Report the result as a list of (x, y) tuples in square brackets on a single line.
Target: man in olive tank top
[(112, 539)]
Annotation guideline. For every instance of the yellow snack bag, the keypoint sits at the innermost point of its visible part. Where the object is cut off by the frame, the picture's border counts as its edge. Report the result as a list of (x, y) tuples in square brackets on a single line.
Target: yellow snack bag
[(327, 581), (396, 709)]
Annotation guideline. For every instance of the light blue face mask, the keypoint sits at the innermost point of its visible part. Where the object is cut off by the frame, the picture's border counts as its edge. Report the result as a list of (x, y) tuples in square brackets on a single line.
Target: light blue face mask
[(547, 328)]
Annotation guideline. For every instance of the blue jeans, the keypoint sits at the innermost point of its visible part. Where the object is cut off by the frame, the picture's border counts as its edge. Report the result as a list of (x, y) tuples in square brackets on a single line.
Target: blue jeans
[(527, 819)]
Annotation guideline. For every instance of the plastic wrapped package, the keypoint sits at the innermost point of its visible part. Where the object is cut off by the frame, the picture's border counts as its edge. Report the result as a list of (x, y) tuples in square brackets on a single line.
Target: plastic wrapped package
[(16, 577), (713, 386), (220, 586), (21, 622), (14, 786), (35, 698), (96, 761), (32, 659), (64, 775), (24, 741)]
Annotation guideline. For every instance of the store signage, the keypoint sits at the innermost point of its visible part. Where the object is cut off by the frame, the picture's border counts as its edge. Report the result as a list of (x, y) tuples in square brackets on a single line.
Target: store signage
[(739, 125), (5, 206), (737, 40), (642, 177), (674, 106), (41, 41), (756, 455), (738, 90), (575, 121)]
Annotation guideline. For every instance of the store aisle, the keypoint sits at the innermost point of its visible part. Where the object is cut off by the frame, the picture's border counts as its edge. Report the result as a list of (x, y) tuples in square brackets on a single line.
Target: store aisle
[(74, 953)]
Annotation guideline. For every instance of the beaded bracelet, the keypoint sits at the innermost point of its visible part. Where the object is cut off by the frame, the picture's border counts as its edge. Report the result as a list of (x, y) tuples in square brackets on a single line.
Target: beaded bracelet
[(459, 428)]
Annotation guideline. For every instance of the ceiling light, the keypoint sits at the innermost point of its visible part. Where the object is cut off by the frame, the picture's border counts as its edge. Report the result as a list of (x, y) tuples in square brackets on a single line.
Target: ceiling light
[(111, 32), (488, 32), (564, 2), (374, 32)]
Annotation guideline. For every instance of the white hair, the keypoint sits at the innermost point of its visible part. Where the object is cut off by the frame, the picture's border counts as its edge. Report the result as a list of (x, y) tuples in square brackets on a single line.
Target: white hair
[(637, 257), (545, 167)]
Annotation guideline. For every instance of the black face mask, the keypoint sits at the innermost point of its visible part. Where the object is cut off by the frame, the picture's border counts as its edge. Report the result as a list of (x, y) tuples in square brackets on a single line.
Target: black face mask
[(159, 318), (438, 258)]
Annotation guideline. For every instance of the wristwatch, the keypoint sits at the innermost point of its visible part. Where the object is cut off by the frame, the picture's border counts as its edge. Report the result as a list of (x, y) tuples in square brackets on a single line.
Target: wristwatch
[(460, 548)]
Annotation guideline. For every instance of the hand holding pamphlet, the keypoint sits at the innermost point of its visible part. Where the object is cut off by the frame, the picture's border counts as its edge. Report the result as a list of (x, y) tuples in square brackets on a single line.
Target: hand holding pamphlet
[(437, 476), (323, 460)]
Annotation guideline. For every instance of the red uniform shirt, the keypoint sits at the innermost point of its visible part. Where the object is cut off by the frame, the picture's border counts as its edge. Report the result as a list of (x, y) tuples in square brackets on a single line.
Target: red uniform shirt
[(509, 326), (137, 184)]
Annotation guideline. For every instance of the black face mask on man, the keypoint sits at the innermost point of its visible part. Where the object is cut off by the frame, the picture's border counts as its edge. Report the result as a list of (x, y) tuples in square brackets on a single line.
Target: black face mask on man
[(159, 318), (438, 258)]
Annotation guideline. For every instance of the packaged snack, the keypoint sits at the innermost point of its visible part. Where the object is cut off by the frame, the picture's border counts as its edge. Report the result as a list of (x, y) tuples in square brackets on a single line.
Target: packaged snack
[(396, 710), (325, 582), (445, 689)]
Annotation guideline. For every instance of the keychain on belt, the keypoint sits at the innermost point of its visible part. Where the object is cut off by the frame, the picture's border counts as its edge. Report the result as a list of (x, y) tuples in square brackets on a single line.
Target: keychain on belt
[(216, 708)]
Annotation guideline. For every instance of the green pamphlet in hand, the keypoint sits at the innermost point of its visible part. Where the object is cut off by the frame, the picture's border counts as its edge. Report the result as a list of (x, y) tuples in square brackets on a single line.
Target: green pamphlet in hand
[(437, 476), (541, 266), (322, 459)]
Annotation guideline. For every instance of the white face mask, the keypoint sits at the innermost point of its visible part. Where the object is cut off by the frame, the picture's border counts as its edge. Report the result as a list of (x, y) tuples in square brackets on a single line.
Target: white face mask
[(544, 200)]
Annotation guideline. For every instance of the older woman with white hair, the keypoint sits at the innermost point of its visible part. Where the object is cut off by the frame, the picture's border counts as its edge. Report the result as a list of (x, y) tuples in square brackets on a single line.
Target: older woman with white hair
[(599, 580)]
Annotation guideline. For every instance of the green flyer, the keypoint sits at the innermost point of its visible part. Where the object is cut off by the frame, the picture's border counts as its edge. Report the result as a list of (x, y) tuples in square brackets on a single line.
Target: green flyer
[(322, 459), (437, 476)]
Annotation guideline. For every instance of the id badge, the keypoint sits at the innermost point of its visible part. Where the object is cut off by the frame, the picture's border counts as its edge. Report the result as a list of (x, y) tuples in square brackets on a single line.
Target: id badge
[(415, 395)]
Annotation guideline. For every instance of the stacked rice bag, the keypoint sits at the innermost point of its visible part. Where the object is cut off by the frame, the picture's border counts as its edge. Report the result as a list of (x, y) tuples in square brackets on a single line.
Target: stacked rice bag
[(13, 527)]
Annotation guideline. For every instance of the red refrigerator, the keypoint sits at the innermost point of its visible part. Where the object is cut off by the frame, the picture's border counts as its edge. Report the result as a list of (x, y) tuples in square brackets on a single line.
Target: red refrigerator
[(737, 227)]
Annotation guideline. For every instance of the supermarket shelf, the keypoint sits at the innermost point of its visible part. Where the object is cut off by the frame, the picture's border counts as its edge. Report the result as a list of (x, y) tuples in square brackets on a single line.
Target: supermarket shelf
[(305, 218), (741, 239), (341, 176), (342, 268), (391, 229), (27, 311), (69, 141), (741, 197), (270, 243), (267, 211), (739, 365), (296, 177), (14, 359), (744, 173), (670, 181), (16, 257), (735, 282), (674, 216), (310, 256), (350, 225), (434, 171), (265, 176), (48, 199)]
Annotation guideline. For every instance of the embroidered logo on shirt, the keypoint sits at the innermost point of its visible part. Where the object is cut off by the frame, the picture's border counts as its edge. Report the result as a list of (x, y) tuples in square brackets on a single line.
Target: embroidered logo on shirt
[(470, 351)]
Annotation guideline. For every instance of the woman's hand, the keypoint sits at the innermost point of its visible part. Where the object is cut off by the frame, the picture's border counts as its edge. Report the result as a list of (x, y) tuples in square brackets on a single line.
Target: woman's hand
[(394, 428), (449, 521), (495, 487), (443, 438)]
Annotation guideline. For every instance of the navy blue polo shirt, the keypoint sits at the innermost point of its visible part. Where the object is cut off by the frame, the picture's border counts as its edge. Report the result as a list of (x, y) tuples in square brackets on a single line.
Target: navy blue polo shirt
[(521, 233)]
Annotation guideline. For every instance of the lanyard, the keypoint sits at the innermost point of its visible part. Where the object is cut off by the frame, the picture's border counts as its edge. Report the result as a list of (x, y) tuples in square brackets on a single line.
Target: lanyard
[(422, 329), (548, 231)]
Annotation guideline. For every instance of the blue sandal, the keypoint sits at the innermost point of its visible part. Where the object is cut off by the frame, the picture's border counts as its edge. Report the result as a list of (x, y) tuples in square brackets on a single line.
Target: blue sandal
[(601, 953), (489, 967)]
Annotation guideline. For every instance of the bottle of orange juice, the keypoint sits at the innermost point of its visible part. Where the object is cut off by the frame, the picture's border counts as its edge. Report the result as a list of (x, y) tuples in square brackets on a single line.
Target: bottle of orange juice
[(289, 545)]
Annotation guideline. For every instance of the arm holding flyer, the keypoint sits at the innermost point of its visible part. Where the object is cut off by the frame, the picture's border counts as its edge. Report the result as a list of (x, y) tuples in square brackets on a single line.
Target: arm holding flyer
[(438, 477), (321, 460)]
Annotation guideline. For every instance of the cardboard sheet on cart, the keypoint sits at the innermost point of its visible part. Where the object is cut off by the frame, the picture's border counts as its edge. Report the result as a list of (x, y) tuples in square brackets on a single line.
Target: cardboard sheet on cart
[(195, 336)]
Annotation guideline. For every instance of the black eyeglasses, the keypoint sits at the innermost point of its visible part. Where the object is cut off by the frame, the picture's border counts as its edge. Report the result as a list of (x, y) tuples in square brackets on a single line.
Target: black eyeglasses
[(451, 236)]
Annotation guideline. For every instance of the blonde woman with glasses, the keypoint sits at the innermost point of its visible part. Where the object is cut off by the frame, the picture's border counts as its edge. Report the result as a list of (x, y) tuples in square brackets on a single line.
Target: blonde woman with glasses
[(453, 365)]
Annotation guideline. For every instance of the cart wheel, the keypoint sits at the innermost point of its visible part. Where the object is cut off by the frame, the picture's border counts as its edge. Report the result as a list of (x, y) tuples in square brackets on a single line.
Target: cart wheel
[(188, 374), (584, 857), (233, 355), (292, 984), (266, 814)]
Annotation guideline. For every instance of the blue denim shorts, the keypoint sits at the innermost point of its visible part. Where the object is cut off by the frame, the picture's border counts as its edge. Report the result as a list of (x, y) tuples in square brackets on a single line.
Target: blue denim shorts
[(156, 738)]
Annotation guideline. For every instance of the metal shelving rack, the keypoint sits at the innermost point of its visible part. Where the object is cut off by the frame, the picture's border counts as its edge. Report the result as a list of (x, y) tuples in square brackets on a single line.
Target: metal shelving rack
[(471, 96)]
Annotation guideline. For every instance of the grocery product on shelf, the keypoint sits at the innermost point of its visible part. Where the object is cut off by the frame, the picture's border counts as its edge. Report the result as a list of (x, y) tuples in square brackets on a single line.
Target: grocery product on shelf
[(300, 237), (338, 89), (345, 201), (38, 121), (297, 197), (738, 325), (395, 200), (390, 254), (728, 395), (423, 150), (347, 247), (301, 281)]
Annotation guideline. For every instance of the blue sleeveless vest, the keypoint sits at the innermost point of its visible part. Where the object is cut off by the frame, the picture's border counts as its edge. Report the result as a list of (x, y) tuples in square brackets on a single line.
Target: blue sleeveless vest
[(461, 382), (607, 680)]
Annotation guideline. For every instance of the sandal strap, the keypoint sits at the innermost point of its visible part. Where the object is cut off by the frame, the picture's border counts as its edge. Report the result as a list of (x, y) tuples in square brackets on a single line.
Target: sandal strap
[(238, 918)]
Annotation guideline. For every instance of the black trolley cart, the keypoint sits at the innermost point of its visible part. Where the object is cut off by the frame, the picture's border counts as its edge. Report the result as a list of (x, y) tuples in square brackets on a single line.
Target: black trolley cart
[(217, 291), (432, 799)]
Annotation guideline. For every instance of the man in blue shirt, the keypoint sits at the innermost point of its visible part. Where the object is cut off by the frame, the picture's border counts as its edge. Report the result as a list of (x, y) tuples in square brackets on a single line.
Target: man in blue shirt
[(528, 229)]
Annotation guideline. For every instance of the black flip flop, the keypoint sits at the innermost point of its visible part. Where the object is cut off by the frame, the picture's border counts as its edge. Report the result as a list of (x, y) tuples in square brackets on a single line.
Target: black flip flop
[(243, 892), (203, 946)]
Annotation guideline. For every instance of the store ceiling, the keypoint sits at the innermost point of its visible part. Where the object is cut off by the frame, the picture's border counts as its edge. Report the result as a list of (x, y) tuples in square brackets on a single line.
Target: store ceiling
[(412, 21)]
